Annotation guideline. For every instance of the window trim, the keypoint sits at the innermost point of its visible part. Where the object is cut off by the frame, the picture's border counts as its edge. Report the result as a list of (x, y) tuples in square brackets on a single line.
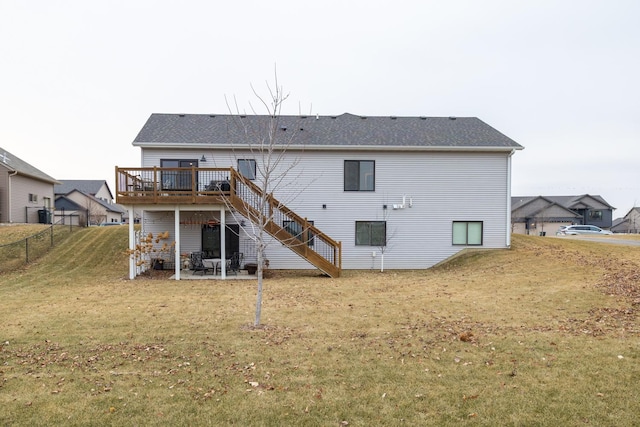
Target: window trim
[(359, 182), (453, 236), (370, 234)]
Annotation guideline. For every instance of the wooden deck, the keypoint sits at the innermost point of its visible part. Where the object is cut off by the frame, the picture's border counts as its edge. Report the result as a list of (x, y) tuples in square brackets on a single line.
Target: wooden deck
[(219, 186)]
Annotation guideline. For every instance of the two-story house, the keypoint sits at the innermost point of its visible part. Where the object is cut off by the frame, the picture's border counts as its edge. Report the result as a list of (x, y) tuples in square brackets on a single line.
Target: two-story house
[(546, 214), (86, 202), (26, 193), (352, 188)]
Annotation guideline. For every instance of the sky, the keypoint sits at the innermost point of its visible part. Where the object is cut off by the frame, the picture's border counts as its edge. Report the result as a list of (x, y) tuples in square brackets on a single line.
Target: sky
[(78, 79)]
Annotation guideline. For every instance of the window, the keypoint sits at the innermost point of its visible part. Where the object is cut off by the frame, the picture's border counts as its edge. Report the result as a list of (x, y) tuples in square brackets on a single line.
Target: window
[(359, 175), (295, 229), (467, 233), (371, 233), (596, 215), (247, 167), (33, 198), (177, 179), (211, 242)]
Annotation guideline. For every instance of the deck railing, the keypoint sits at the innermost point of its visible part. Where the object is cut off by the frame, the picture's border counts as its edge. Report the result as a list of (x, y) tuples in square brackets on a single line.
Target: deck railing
[(155, 185), (170, 185)]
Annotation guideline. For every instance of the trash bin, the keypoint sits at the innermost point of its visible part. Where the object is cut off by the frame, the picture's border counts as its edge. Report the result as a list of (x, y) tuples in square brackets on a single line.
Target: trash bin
[(44, 216), (543, 233)]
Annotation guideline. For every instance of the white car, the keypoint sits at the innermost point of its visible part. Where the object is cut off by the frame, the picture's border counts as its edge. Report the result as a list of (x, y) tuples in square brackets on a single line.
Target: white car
[(572, 230)]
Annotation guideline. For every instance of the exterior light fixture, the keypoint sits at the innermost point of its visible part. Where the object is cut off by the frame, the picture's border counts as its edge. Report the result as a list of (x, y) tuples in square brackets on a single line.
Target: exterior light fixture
[(203, 159)]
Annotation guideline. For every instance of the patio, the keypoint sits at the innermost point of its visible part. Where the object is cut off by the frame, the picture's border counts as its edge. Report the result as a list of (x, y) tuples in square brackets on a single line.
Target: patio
[(198, 275)]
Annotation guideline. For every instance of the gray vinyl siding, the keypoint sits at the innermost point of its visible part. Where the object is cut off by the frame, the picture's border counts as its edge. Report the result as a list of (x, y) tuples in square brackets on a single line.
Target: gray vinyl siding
[(22, 210), (4, 195), (443, 187)]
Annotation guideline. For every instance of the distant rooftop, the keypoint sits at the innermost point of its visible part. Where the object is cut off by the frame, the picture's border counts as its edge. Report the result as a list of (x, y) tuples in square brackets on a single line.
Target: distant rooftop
[(14, 163)]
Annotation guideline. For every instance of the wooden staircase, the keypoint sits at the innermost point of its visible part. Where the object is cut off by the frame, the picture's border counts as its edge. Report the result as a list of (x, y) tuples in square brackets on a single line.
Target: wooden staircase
[(285, 225)]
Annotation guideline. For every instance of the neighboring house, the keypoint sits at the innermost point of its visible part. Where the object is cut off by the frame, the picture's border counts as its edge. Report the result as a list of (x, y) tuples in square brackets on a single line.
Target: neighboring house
[(546, 214), (421, 189), (26, 193), (536, 215), (630, 223), (86, 202)]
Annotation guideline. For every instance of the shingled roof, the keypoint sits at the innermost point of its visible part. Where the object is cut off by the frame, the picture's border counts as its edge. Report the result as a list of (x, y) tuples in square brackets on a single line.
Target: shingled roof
[(346, 130), (87, 186), (15, 164)]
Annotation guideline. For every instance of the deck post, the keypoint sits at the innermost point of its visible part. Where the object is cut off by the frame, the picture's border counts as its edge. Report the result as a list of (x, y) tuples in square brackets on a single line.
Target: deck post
[(132, 245), (223, 244), (176, 248)]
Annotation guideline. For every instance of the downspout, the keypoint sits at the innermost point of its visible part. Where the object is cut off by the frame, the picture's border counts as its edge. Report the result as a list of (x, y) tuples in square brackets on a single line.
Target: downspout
[(508, 216), (9, 203)]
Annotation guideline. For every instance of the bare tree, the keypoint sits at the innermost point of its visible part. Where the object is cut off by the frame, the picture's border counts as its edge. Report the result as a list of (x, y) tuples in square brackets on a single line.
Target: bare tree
[(94, 212), (268, 140), (389, 235)]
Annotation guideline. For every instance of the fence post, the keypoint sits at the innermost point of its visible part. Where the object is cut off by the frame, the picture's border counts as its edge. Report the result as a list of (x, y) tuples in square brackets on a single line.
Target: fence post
[(26, 247)]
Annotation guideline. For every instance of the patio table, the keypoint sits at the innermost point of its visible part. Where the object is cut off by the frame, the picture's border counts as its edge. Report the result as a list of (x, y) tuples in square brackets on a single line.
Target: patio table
[(213, 263)]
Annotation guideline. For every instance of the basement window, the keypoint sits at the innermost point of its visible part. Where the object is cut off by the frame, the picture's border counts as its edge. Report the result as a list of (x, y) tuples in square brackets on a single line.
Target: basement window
[(468, 233), (371, 233), (296, 229)]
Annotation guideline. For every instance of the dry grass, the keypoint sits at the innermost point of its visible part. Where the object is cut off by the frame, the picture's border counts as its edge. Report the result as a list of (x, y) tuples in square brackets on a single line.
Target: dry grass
[(543, 334), (10, 233)]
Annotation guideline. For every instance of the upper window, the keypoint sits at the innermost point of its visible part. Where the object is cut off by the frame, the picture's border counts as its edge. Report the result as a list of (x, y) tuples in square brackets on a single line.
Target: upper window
[(33, 198), (467, 233), (359, 175), (177, 179), (371, 233), (247, 167), (597, 215)]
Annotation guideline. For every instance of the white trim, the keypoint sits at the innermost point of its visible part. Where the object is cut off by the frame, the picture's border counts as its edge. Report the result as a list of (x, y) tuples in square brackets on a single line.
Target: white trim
[(393, 148), (223, 244), (132, 245), (176, 256)]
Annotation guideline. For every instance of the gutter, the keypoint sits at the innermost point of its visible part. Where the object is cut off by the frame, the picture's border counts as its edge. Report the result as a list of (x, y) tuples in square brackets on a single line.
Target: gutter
[(508, 213), (394, 148)]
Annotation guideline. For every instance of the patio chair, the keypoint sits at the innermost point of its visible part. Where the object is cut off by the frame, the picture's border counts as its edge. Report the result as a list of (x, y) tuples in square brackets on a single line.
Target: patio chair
[(197, 265), (235, 262)]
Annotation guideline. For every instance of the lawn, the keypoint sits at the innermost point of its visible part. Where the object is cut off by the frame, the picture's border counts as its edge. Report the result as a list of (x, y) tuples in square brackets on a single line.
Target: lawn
[(543, 334), (10, 233)]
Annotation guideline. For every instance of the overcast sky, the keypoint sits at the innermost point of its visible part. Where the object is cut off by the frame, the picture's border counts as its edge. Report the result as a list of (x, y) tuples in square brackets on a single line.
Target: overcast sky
[(78, 79)]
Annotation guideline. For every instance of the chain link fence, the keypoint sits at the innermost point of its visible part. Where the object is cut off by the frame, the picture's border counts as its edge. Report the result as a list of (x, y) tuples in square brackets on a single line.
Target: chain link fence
[(16, 254)]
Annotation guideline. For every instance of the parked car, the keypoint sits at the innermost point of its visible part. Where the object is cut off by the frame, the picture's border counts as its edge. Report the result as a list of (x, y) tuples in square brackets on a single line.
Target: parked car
[(106, 224), (572, 230)]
